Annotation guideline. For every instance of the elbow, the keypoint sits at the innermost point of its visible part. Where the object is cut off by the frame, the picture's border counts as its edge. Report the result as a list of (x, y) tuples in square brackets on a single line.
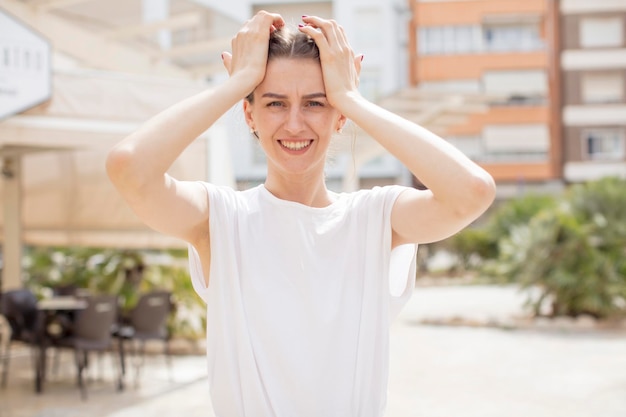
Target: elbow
[(482, 193), (119, 166)]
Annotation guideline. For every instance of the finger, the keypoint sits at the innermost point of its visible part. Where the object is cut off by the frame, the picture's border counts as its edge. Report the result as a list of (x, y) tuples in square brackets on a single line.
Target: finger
[(333, 33), (342, 34), (316, 34), (358, 61), (326, 25), (273, 20), (321, 31), (227, 59), (316, 20)]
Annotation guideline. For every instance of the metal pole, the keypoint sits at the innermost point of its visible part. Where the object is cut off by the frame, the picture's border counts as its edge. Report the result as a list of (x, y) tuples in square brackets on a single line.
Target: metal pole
[(12, 204)]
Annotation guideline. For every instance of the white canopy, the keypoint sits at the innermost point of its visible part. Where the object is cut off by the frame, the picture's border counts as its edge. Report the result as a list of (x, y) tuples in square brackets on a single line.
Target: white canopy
[(66, 196)]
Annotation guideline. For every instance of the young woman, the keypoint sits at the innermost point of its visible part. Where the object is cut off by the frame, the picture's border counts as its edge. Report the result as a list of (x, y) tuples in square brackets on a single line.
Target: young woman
[(301, 283)]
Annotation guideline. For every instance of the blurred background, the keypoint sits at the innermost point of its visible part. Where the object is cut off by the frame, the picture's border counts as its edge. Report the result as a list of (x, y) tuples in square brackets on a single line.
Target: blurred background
[(532, 90)]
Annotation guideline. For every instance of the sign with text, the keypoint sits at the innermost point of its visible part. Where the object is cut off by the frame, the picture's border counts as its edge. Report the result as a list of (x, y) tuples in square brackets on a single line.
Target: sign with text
[(25, 67)]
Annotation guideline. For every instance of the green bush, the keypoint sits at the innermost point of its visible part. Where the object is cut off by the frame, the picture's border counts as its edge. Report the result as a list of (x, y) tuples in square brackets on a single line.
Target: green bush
[(515, 212), (574, 252), (477, 247), (471, 246)]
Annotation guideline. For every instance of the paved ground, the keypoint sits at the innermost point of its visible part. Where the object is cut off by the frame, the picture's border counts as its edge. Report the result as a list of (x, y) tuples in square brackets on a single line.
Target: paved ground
[(436, 371)]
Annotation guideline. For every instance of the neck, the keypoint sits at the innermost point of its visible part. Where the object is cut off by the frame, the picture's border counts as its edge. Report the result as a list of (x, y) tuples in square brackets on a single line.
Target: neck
[(311, 192)]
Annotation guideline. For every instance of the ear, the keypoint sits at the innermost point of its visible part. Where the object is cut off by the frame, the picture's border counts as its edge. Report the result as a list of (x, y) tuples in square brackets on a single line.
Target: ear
[(247, 111), (341, 122)]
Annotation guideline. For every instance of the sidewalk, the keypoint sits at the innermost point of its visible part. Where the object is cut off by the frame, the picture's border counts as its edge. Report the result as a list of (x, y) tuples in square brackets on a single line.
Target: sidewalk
[(497, 306), (467, 303), (458, 370)]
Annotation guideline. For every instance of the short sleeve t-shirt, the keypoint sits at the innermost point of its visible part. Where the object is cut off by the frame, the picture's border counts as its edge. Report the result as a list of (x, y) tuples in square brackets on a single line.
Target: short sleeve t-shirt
[(300, 302)]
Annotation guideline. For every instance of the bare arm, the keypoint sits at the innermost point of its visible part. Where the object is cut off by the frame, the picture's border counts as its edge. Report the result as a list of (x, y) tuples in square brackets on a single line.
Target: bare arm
[(458, 189), (137, 166)]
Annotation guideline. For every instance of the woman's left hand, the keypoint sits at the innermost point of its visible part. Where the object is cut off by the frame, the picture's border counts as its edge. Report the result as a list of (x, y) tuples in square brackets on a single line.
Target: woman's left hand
[(340, 66)]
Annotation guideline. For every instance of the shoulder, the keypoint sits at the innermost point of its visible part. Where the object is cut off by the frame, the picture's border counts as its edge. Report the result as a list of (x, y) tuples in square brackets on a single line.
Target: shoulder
[(387, 193), (228, 193), (378, 201)]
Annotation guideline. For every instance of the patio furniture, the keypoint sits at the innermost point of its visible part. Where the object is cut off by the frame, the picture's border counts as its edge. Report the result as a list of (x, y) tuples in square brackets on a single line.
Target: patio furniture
[(92, 331), (19, 308), (147, 321), (57, 316)]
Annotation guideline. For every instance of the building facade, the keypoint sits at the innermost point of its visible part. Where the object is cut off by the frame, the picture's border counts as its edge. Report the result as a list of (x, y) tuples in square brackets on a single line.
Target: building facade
[(552, 73), (593, 64), (499, 50)]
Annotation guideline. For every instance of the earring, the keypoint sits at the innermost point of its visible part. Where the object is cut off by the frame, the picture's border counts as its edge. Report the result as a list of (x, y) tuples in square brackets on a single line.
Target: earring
[(254, 132)]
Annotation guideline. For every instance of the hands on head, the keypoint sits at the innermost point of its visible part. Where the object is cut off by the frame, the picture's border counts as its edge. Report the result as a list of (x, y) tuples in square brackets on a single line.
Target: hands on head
[(340, 65)]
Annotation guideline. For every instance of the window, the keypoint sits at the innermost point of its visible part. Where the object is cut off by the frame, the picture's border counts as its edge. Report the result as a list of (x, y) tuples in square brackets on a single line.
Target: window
[(455, 86), (523, 137), (603, 144), (512, 37), (449, 39), (464, 39), (601, 32), (516, 87), (430, 40), (602, 88), (528, 142), (458, 39)]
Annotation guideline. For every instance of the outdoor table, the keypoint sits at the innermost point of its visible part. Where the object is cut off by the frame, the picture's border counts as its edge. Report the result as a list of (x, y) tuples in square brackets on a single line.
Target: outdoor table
[(50, 308)]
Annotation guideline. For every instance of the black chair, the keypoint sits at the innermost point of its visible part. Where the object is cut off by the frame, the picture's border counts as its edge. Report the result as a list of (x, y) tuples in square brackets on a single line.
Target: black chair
[(92, 331), (147, 321), (19, 307), (64, 290)]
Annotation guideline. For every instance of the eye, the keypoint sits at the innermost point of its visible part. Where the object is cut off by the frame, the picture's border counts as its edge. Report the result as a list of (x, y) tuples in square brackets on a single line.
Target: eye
[(275, 104), (314, 103)]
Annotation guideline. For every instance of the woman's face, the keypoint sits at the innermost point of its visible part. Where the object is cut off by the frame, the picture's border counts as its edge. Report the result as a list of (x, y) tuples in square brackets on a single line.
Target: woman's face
[(292, 116)]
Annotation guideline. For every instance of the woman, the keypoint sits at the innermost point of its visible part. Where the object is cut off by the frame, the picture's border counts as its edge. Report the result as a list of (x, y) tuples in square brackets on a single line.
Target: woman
[(301, 283)]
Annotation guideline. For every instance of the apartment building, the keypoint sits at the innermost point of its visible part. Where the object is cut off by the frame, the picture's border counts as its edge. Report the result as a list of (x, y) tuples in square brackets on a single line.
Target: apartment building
[(593, 64), (500, 52)]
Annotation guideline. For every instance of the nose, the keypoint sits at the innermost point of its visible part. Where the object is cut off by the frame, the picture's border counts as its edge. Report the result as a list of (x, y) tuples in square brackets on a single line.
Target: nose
[(294, 121)]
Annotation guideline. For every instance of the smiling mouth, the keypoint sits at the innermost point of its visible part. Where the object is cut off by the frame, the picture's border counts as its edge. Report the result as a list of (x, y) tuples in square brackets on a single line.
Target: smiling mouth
[(295, 145)]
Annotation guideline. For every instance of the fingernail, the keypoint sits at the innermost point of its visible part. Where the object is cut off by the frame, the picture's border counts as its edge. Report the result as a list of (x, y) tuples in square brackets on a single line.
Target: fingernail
[(222, 55), (303, 16), (300, 25), (362, 56)]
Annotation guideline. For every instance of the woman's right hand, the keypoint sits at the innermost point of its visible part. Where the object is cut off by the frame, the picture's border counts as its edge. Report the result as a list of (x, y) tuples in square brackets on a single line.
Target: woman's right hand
[(250, 48)]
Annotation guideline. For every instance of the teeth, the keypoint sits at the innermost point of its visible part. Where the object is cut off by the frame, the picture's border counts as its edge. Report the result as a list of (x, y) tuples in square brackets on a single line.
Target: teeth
[(295, 145)]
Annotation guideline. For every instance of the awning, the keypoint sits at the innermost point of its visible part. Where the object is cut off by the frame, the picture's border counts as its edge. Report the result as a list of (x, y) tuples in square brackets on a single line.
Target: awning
[(66, 196)]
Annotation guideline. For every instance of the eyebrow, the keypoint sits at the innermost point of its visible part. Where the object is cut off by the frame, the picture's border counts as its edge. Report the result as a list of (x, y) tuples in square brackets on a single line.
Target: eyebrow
[(283, 96)]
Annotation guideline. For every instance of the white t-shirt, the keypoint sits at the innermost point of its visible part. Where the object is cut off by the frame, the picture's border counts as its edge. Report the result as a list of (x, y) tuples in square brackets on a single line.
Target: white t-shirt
[(300, 302)]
